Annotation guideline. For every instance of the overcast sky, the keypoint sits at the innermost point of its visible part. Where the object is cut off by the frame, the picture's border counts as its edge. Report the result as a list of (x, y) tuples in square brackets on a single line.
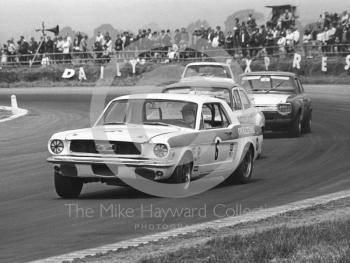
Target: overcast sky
[(21, 17)]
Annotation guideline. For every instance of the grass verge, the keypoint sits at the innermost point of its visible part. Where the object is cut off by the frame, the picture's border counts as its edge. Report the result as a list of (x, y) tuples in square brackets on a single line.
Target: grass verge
[(317, 234), (326, 242)]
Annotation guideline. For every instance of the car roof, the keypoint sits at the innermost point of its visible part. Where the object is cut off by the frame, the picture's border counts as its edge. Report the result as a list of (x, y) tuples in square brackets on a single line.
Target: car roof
[(207, 63), (279, 73), (204, 82), (168, 96)]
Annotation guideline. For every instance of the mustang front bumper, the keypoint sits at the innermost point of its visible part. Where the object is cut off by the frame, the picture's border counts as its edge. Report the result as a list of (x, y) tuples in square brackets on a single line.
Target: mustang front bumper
[(100, 167)]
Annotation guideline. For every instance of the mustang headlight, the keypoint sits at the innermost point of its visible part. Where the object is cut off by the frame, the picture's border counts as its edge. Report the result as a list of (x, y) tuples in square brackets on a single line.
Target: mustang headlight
[(56, 146), (160, 150), (284, 108)]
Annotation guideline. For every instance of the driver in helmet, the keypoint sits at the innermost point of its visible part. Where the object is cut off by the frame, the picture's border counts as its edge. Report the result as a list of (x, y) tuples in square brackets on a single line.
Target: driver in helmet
[(189, 115)]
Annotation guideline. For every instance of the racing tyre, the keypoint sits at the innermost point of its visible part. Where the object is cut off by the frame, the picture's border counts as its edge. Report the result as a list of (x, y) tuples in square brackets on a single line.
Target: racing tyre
[(243, 173), (295, 128), (67, 187), (307, 124), (183, 172)]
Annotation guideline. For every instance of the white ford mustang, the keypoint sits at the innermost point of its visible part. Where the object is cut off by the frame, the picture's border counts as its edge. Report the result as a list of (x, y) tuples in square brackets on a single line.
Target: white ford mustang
[(162, 138)]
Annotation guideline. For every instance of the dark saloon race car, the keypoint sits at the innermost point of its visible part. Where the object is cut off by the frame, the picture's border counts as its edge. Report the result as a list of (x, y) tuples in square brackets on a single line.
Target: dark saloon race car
[(282, 99)]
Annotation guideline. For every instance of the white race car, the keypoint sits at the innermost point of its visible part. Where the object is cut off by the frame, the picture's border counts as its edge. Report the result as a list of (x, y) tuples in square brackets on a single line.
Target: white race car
[(208, 70), (168, 138)]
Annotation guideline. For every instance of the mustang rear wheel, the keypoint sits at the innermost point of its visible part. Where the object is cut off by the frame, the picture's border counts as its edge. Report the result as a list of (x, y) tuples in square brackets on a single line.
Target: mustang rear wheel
[(67, 187)]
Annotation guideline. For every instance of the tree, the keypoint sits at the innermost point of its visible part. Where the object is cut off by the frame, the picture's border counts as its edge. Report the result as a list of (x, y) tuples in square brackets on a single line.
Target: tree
[(242, 15), (197, 25), (70, 31), (153, 26)]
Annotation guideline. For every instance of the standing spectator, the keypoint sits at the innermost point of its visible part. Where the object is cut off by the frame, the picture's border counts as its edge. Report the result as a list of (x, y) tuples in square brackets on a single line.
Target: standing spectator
[(99, 38), (107, 47), (289, 41), (236, 33), (33, 46), (84, 48), (244, 41), (49, 48), (286, 19), (126, 39), (76, 45), (59, 48), (167, 39), (4, 52), (307, 38), (329, 38), (23, 50), (345, 19), (345, 41), (251, 23), (229, 43), (254, 43), (296, 36), (327, 20), (66, 50), (185, 38), (282, 45), (42, 47), (118, 45), (11, 51), (269, 40)]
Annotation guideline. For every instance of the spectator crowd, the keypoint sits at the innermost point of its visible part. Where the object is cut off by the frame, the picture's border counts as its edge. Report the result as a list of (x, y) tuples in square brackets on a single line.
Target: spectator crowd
[(278, 37)]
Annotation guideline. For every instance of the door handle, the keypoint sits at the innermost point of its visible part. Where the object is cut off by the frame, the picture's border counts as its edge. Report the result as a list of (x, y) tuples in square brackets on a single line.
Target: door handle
[(228, 133)]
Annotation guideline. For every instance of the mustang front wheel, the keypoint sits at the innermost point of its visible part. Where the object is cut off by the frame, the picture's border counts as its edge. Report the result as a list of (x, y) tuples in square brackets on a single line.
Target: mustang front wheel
[(67, 187), (183, 172)]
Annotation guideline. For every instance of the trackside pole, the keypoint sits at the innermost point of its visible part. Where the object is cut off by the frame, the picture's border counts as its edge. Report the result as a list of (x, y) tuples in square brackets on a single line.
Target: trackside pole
[(14, 104), (102, 71)]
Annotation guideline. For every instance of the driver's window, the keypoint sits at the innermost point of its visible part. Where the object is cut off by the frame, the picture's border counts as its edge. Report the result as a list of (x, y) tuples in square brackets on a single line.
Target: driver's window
[(213, 117)]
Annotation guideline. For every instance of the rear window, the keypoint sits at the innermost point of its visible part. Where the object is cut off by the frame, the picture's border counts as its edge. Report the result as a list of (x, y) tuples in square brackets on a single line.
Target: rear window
[(207, 70), (215, 92)]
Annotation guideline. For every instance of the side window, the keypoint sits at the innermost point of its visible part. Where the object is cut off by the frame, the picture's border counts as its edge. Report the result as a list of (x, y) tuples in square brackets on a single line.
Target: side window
[(245, 99), (237, 100), (213, 117)]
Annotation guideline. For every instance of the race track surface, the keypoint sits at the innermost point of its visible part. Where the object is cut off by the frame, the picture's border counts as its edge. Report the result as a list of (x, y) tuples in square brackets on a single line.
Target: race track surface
[(35, 223)]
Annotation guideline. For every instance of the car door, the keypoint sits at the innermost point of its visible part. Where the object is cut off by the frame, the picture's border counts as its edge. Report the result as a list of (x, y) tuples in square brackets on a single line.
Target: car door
[(217, 143)]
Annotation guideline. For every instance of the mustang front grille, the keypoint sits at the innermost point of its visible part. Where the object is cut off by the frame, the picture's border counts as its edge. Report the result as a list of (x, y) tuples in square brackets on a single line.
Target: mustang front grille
[(116, 147)]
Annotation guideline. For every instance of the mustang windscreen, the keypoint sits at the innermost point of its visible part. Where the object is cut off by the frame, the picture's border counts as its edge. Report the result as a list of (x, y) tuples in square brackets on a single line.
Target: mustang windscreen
[(150, 111)]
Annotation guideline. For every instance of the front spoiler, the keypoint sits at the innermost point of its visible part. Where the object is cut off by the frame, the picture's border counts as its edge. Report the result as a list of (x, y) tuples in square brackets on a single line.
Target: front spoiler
[(112, 161)]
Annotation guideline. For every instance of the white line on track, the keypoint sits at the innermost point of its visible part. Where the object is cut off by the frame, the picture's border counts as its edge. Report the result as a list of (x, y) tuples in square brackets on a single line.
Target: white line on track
[(225, 222), (19, 113)]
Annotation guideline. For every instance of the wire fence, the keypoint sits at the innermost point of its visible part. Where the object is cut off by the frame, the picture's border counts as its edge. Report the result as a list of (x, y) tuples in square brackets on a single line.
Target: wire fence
[(163, 55)]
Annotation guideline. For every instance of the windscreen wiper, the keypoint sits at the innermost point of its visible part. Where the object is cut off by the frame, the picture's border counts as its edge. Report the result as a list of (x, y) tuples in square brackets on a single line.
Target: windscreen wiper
[(276, 86)]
